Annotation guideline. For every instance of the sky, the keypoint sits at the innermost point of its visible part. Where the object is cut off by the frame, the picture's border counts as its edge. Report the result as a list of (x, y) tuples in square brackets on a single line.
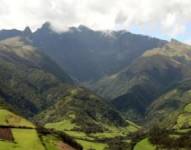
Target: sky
[(164, 19)]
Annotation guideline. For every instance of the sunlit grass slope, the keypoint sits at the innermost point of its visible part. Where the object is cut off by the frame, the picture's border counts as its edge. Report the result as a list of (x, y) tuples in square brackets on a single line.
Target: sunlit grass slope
[(10, 119), (144, 145)]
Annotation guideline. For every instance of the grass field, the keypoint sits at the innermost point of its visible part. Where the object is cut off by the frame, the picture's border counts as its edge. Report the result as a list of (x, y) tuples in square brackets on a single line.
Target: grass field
[(67, 126), (51, 142), (144, 145), (92, 145), (79, 135), (25, 139), (8, 118), (62, 125), (90, 140), (184, 119)]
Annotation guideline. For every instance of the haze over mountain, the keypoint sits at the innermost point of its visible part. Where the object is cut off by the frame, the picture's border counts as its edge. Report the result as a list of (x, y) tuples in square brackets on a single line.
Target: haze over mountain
[(137, 86), (95, 75), (31, 81), (32, 85), (98, 53), (25, 72), (135, 77)]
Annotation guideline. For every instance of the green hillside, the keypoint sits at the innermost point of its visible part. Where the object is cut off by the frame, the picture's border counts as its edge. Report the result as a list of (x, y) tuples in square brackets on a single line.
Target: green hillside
[(135, 88), (35, 87), (184, 118), (9, 118), (144, 145), (173, 107), (42, 108), (87, 118), (24, 139), (159, 138), (29, 79), (82, 110)]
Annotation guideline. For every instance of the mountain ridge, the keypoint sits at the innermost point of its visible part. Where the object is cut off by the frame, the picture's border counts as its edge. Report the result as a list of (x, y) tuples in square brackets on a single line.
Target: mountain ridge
[(146, 78), (106, 52)]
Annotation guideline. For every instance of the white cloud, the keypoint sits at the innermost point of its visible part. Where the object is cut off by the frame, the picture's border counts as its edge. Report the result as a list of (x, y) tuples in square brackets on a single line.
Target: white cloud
[(172, 15)]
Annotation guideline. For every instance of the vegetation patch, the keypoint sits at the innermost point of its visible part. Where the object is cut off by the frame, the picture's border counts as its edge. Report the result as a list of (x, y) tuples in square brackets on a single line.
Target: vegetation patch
[(27, 139), (50, 142), (144, 145), (187, 108), (24, 139), (87, 145), (7, 118), (184, 120), (62, 125)]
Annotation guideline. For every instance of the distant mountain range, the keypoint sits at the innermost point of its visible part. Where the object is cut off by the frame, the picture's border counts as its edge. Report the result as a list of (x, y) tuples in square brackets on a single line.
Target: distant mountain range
[(97, 53), (31, 82), (137, 86), (90, 84)]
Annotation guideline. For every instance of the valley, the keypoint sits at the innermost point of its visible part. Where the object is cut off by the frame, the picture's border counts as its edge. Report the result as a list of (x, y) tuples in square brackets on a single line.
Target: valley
[(86, 89)]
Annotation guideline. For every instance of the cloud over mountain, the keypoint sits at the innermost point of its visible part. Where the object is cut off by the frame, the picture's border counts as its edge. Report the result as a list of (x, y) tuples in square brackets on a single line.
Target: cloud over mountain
[(171, 16)]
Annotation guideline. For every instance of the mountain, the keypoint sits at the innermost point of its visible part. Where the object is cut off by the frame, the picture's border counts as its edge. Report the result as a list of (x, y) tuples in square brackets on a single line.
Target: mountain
[(31, 81), (135, 77), (136, 87), (87, 55), (98, 53), (172, 109), (4, 34), (27, 76), (32, 85), (88, 119), (84, 111)]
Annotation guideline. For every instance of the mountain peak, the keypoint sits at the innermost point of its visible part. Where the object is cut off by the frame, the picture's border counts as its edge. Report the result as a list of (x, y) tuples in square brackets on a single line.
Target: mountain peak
[(27, 31), (83, 28), (46, 27), (80, 28)]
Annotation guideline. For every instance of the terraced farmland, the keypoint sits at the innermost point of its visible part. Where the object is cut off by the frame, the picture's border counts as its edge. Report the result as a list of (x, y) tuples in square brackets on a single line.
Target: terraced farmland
[(17, 133)]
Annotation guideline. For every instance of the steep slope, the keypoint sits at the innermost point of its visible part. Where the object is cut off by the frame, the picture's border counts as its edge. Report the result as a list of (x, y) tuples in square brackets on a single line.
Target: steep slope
[(84, 111), (14, 130), (141, 71), (135, 88), (19, 49), (4, 34), (28, 79), (31, 83), (96, 53), (151, 83), (88, 119), (172, 109), (8, 117)]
